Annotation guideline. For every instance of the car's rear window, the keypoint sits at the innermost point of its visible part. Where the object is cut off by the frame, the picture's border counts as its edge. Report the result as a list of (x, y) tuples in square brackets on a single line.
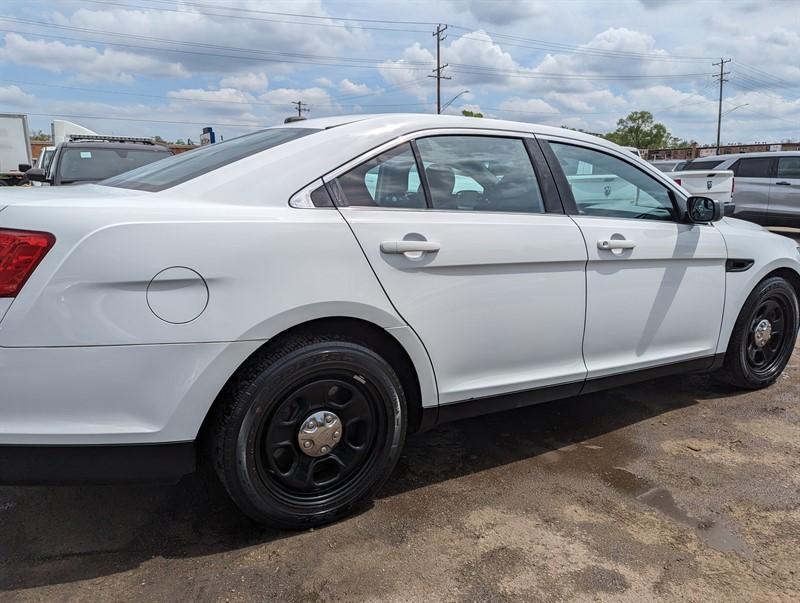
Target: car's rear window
[(702, 165), (96, 163), (185, 166)]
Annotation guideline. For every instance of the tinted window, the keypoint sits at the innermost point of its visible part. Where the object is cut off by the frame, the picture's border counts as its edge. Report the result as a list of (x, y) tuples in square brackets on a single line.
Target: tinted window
[(698, 164), (789, 167), (480, 173), (756, 167), (388, 180), (185, 166), (93, 163), (321, 198), (606, 186)]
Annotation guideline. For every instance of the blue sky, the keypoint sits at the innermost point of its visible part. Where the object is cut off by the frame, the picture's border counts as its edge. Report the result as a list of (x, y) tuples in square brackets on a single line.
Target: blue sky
[(168, 67)]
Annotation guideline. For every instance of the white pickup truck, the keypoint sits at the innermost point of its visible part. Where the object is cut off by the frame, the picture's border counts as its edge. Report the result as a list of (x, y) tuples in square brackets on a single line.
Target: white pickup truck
[(716, 184)]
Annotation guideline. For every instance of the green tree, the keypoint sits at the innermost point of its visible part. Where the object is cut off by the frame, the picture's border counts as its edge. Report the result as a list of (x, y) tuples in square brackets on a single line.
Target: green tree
[(639, 130), (468, 113)]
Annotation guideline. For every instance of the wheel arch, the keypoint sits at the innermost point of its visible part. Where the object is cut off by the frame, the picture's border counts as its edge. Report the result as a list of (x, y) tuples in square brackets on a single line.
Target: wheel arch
[(790, 274), (399, 346)]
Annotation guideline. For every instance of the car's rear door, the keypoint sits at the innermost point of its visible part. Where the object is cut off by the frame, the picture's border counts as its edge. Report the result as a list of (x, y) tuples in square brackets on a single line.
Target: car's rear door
[(784, 193), (752, 183), (655, 285), (476, 254)]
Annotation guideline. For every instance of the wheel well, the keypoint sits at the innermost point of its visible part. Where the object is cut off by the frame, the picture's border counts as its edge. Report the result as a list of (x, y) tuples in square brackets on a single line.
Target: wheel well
[(366, 332), (790, 275)]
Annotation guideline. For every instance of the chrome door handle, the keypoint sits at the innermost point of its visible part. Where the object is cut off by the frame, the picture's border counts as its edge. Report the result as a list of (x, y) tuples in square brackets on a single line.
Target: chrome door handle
[(409, 246), (615, 244)]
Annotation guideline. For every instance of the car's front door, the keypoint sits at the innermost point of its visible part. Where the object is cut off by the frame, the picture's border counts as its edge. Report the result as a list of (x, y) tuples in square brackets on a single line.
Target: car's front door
[(476, 254), (784, 193), (655, 285)]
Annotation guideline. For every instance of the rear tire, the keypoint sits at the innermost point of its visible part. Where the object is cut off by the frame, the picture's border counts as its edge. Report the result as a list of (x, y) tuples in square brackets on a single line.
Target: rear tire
[(763, 337), (259, 431)]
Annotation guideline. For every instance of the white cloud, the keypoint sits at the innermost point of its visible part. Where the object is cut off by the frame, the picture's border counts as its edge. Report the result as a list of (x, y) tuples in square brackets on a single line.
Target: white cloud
[(14, 96), (351, 88), (224, 100), (500, 12), (324, 82), (246, 41), (252, 82), (317, 99), (87, 62), (410, 70)]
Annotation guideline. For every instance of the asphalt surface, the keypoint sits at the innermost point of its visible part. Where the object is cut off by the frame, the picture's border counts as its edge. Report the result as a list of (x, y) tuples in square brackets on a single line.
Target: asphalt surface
[(676, 489)]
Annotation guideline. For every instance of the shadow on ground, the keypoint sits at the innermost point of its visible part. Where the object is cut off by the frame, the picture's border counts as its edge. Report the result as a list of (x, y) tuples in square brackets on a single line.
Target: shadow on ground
[(56, 535)]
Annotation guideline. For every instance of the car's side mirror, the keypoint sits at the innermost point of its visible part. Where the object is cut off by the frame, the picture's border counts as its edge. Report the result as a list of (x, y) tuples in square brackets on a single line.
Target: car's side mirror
[(728, 209), (24, 167), (36, 174), (703, 210)]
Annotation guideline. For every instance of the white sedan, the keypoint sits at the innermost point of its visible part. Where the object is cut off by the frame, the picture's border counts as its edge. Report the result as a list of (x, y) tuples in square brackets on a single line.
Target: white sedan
[(287, 305)]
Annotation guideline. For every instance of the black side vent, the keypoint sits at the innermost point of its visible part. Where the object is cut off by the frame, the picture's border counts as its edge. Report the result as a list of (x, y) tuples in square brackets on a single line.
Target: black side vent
[(738, 265)]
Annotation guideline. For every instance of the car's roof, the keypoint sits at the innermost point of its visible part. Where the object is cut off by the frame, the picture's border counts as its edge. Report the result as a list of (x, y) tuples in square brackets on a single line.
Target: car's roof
[(412, 121), (752, 154)]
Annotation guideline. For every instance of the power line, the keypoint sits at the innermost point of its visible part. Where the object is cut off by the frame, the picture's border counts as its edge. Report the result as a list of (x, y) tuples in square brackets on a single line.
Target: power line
[(248, 18), (284, 14), (412, 66), (575, 49), (215, 101), (285, 57)]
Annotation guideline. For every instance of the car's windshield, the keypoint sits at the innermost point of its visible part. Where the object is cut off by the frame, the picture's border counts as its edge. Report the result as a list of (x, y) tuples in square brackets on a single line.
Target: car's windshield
[(185, 166), (97, 163)]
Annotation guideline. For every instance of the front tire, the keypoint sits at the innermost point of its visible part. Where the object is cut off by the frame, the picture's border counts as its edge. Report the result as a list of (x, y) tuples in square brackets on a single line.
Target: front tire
[(764, 335), (308, 430)]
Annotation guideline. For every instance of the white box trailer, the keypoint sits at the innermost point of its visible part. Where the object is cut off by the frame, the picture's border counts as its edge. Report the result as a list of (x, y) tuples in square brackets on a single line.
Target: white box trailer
[(15, 148)]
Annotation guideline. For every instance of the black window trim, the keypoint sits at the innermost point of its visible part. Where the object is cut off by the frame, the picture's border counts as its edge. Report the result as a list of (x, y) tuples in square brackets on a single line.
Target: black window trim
[(566, 190), (551, 201), (771, 173)]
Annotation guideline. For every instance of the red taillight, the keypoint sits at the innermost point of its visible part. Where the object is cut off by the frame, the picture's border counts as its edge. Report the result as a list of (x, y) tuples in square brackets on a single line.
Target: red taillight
[(678, 181), (20, 253)]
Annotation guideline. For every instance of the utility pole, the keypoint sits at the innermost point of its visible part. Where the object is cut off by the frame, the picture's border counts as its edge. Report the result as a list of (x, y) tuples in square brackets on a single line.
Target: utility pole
[(301, 108), (722, 74), (440, 29)]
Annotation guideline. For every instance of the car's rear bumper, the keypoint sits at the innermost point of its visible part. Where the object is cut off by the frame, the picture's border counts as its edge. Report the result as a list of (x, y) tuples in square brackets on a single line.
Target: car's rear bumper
[(112, 395), (95, 464)]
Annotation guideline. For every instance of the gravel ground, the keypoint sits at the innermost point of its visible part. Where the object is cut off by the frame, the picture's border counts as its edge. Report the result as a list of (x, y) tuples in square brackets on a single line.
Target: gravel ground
[(674, 489)]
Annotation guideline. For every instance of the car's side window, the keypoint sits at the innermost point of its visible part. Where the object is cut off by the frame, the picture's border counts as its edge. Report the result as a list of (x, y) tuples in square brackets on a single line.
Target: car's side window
[(789, 167), (480, 173), (753, 167), (604, 185), (387, 180)]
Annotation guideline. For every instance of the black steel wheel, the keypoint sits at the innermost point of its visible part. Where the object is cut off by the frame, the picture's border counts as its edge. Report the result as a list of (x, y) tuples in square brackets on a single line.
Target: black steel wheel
[(764, 335), (309, 431)]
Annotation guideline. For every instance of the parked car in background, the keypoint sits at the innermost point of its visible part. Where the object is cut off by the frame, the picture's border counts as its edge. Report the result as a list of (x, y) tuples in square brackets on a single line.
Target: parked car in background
[(716, 184), (87, 159), (290, 303), (767, 185), (669, 165), (43, 161)]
